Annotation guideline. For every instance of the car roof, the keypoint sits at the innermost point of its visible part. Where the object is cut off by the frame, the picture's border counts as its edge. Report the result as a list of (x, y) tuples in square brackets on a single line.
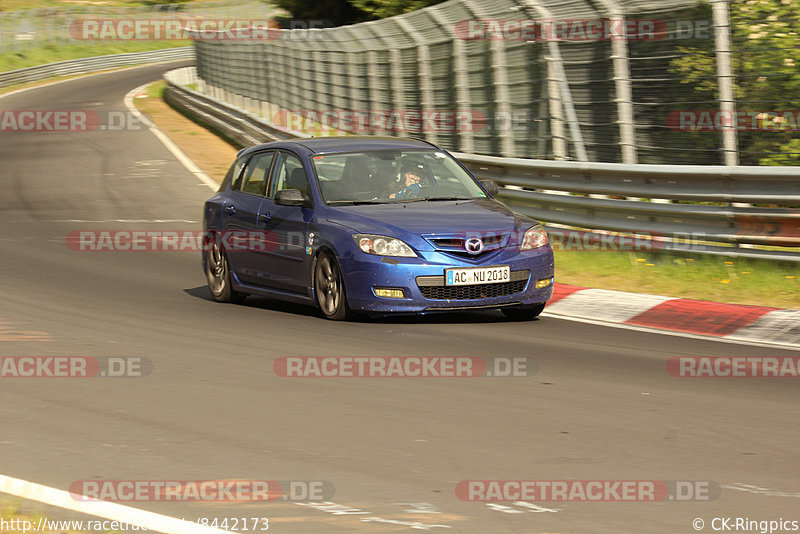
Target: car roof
[(331, 145)]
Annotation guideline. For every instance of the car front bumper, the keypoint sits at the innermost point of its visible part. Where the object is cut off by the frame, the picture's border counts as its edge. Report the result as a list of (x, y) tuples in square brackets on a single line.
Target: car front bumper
[(422, 281)]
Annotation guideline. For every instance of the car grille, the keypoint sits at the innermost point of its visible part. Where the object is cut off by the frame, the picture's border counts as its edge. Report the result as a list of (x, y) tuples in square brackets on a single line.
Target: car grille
[(463, 255), (433, 288), (453, 244), (480, 291)]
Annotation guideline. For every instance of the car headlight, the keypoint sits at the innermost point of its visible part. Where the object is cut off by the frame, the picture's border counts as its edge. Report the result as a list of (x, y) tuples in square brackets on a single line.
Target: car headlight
[(383, 246), (534, 237)]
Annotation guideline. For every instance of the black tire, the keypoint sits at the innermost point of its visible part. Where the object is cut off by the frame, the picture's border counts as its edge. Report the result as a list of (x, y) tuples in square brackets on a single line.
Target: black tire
[(524, 314), (218, 274), (329, 288)]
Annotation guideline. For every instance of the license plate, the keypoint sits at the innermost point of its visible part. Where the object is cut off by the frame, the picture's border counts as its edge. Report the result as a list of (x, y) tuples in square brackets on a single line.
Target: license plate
[(477, 275)]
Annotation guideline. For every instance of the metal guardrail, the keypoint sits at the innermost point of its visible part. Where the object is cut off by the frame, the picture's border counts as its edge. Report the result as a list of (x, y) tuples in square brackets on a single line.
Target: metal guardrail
[(553, 191), (92, 64), (702, 183), (239, 126), (739, 224)]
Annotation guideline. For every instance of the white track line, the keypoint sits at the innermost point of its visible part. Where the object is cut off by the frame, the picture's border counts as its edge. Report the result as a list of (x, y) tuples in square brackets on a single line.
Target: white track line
[(107, 510), (167, 142), (172, 147), (675, 333)]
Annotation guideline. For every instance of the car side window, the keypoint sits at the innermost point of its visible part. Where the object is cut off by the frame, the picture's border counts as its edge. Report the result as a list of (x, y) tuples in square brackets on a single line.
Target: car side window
[(289, 174), (234, 176), (256, 174)]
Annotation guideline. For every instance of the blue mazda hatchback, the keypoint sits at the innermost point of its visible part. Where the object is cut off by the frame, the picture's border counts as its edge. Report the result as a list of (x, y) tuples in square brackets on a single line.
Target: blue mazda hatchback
[(371, 225)]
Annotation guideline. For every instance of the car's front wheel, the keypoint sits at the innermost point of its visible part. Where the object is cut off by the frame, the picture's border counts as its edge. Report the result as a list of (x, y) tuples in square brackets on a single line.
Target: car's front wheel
[(524, 314), (329, 288), (218, 274)]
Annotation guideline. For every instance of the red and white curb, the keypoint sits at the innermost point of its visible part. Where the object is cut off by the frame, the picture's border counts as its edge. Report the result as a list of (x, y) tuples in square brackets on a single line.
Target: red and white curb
[(736, 322)]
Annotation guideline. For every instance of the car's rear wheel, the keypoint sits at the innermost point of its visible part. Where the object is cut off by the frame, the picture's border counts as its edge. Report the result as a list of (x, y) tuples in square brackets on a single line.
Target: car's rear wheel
[(524, 314), (329, 288), (218, 274)]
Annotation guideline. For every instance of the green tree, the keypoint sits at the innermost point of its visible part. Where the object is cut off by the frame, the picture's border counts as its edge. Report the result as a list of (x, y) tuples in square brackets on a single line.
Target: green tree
[(337, 12), (341, 12), (766, 63), (379, 9)]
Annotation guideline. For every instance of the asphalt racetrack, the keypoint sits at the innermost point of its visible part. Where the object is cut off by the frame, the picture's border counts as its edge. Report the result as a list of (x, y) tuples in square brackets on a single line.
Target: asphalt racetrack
[(600, 406)]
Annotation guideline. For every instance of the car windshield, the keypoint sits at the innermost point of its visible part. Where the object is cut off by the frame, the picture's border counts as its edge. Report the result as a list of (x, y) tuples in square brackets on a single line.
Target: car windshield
[(387, 176)]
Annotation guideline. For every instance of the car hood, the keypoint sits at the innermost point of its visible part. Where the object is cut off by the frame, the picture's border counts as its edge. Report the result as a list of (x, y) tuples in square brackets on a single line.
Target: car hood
[(410, 220)]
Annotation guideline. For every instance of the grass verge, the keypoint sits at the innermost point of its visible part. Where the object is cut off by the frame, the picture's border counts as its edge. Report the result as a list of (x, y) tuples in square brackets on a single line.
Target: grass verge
[(721, 279), (53, 53), (26, 520), (18, 5), (209, 152), (12, 513)]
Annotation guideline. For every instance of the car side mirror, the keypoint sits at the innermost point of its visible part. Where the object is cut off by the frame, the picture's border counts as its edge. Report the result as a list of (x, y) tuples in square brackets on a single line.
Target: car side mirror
[(491, 187), (290, 197)]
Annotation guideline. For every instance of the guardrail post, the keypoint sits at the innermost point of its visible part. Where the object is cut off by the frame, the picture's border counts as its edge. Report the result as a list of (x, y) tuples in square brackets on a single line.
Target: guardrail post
[(378, 83), (466, 140), (727, 101), (622, 82), (278, 70), (355, 84), (398, 89), (423, 74), (265, 92), (541, 134), (566, 102), (558, 85), (372, 83), (321, 84), (556, 112), (500, 83)]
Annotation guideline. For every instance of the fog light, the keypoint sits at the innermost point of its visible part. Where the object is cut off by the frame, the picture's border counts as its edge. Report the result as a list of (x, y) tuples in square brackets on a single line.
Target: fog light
[(544, 282), (389, 293)]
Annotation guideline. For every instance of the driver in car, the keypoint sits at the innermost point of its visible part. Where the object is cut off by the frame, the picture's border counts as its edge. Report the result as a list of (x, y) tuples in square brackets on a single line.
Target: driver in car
[(410, 177)]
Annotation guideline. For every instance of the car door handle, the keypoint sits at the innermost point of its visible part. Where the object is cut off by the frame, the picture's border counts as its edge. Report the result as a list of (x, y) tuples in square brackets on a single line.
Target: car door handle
[(230, 210), (264, 217)]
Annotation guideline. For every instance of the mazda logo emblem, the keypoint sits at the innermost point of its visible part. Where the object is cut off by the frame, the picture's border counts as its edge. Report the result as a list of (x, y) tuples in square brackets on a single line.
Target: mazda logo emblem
[(473, 245)]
